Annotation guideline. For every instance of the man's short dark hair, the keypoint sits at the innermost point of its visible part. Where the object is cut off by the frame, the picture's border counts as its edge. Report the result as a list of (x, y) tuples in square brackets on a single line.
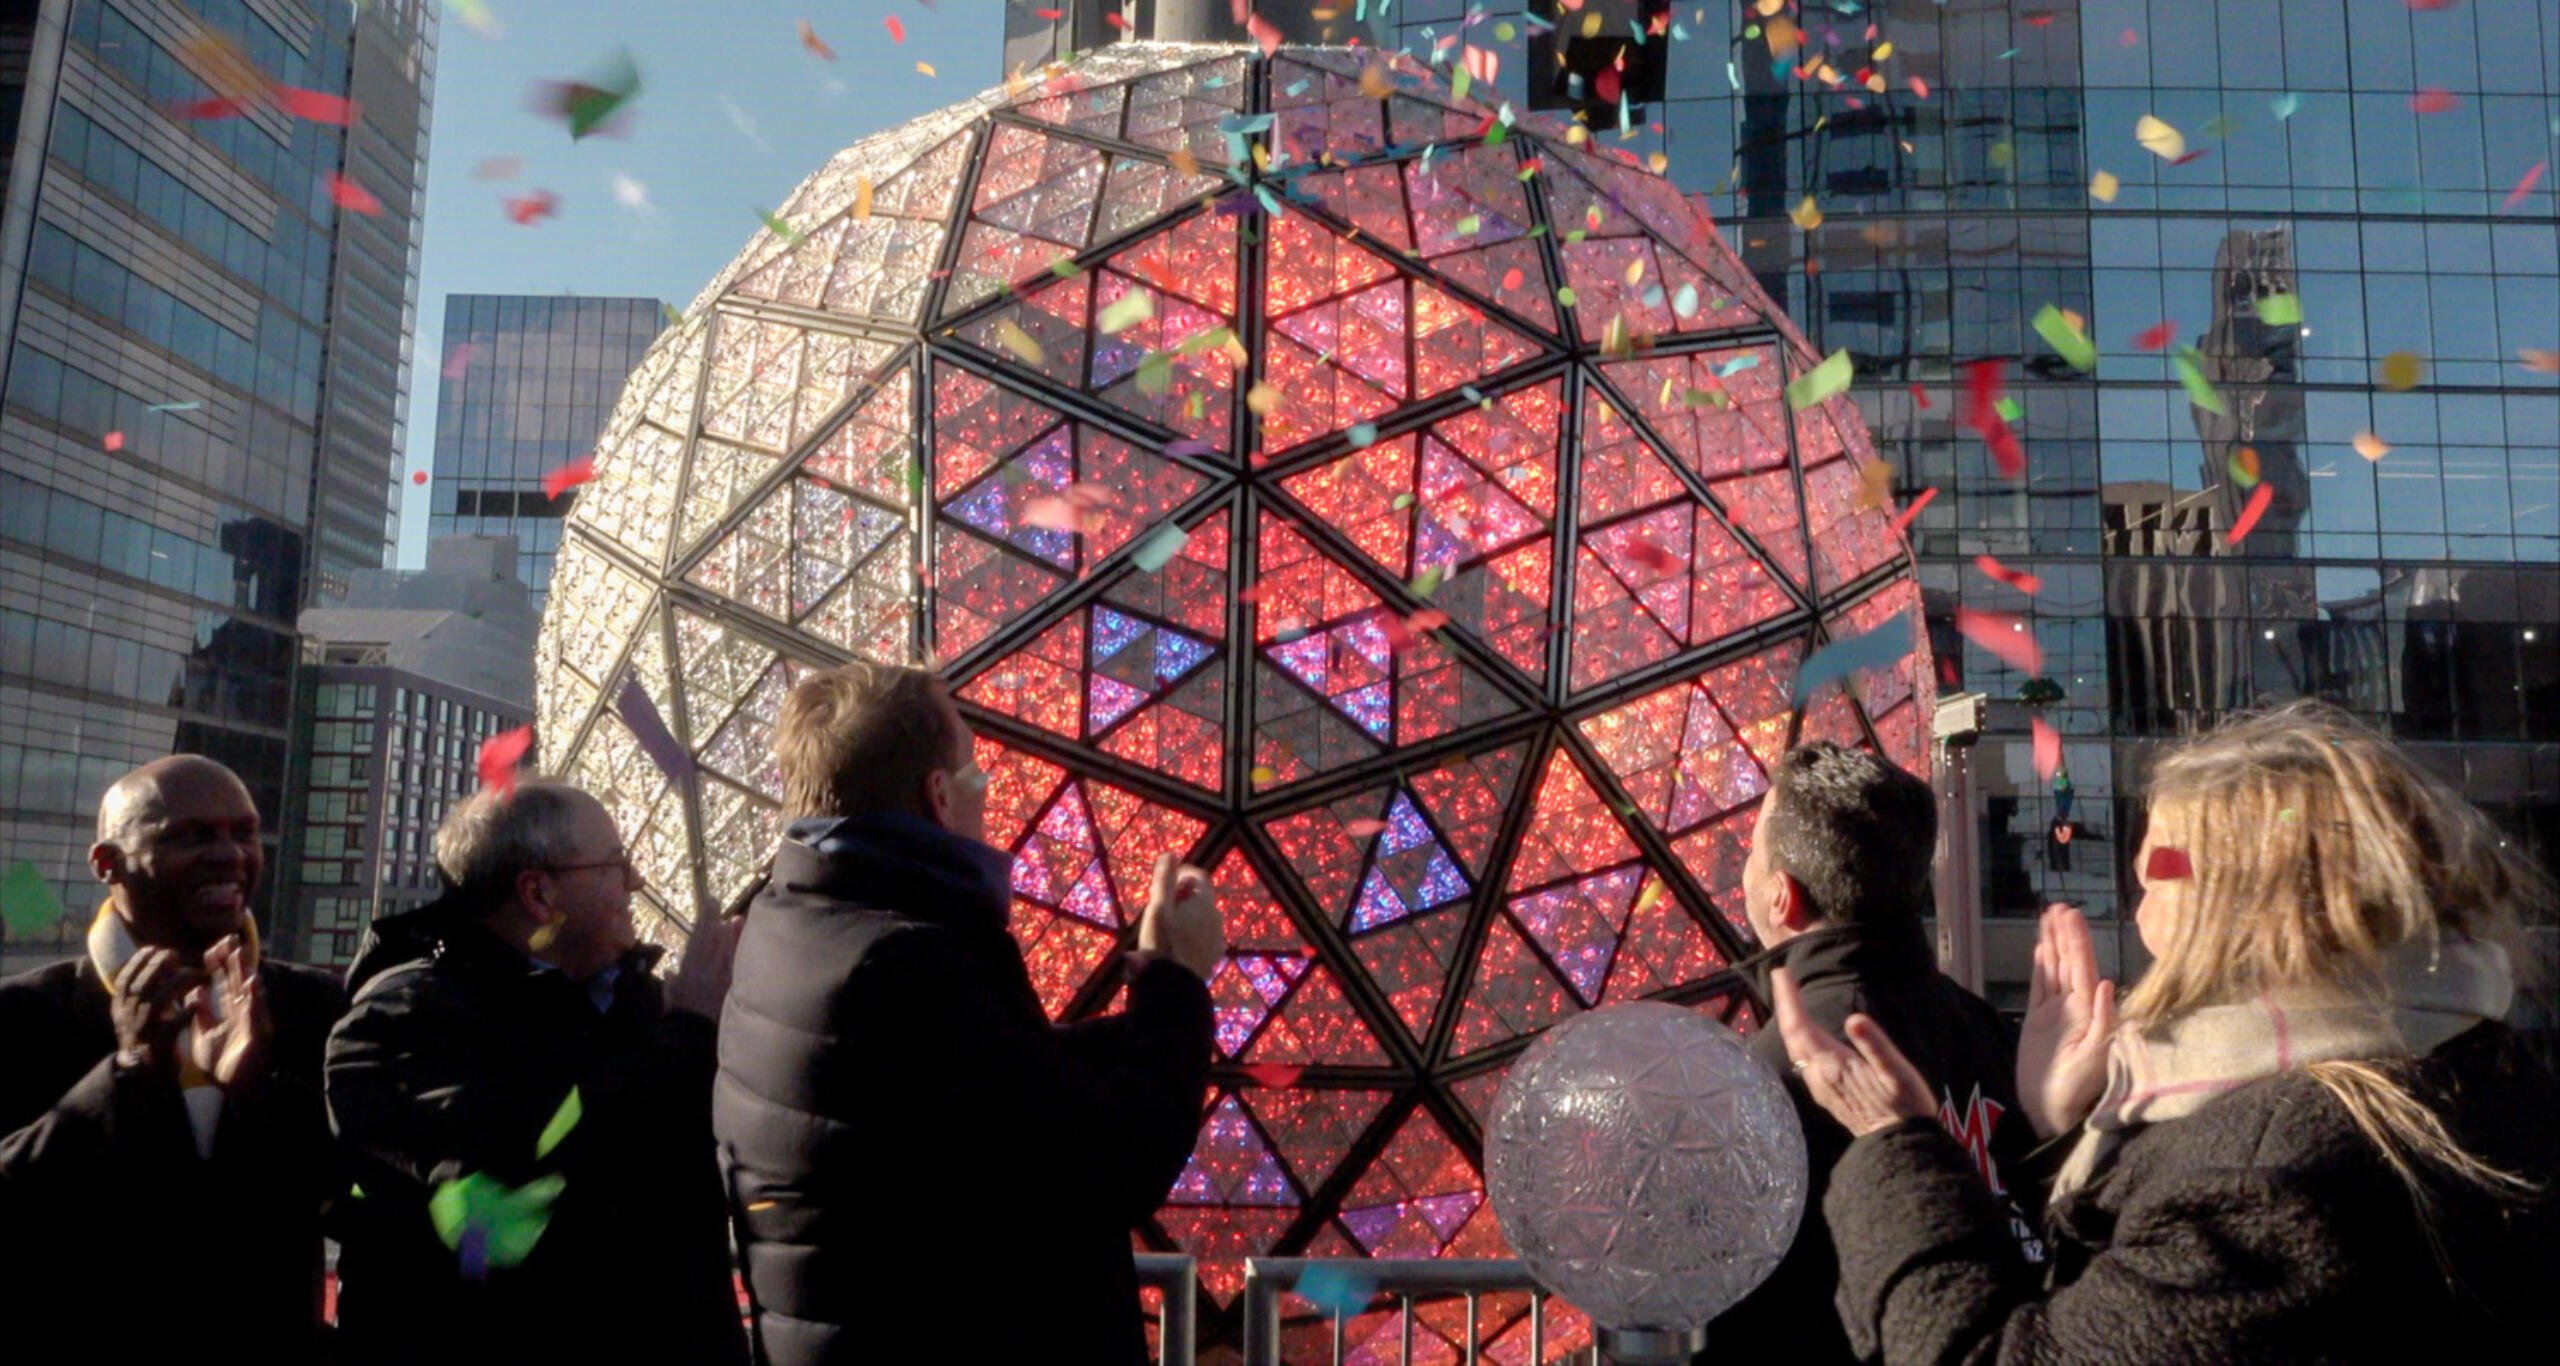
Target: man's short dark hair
[(861, 738), (1855, 830)]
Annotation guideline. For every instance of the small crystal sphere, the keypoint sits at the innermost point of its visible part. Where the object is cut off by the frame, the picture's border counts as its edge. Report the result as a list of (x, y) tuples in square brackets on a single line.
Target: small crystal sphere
[(1646, 1166)]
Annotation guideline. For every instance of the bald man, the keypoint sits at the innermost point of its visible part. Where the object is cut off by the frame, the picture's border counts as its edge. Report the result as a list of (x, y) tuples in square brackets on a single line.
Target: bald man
[(164, 1150)]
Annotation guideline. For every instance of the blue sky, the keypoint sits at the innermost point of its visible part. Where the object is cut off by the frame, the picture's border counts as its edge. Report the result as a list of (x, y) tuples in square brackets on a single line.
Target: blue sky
[(732, 113)]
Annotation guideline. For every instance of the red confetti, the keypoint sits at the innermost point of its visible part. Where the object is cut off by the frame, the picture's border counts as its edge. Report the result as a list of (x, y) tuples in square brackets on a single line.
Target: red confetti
[(809, 39), (2019, 579), (569, 476), (1982, 383), (1363, 828), (1903, 518), (1512, 279), (533, 208), (2003, 635), (1274, 1074), (1650, 556), (2167, 864), (1052, 15), (319, 108), (1252, 593), (2156, 337), (2043, 19), (113, 441), (499, 755), (2424, 5), (1115, 19), (1923, 396), (897, 29), (2249, 515), (1265, 33), (2435, 99), (2048, 742), (2525, 186), (216, 108), (354, 198), (418, 478), (1919, 87)]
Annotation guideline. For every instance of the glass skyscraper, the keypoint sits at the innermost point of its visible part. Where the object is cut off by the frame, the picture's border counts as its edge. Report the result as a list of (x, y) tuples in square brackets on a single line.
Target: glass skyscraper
[(204, 359), (2382, 166), (528, 379)]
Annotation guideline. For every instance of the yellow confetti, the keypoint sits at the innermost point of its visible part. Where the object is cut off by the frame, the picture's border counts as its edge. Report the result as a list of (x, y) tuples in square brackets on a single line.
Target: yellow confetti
[(1807, 214), (2102, 187), (2371, 447), (1591, 24), (862, 197), (1374, 82), (1635, 272), (1784, 37), (927, 68), (1262, 775), (1184, 162), (1023, 345), (1658, 162), (1125, 312), (1768, 8), (1884, 52), (2402, 371), (2157, 136), (1262, 400), (1652, 893)]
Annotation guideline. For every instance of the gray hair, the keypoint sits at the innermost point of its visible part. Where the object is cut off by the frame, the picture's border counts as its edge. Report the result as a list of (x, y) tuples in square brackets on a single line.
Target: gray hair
[(492, 835)]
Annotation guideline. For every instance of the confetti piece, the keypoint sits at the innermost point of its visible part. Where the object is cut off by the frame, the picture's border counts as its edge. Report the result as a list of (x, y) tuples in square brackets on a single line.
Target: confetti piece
[(1920, 396), (897, 28), (2371, 447), (1919, 87), (2156, 337), (1983, 413), (1159, 548), (1822, 381), (1565, 295), (113, 441), (1807, 215), (1262, 400), (187, 407), (2242, 467), (1275, 1073), (2402, 371), (2435, 99), (2249, 514), (2189, 365), (1265, 33), (458, 361), (316, 107), (782, 228), (1335, 1289), (499, 755), (2280, 310), (498, 168), (2159, 138), (1126, 312), (1361, 435), (562, 1121), (2019, 579), (817, 46), (527, 210), (1648, 555), (1363, 828), (2284, 105), (1261, 774), (2167, 865), (589, 107), (2048, 748), (2102, 187), (2005, 636), (1025, 347), (355, 198), (419, 477), (476, 17), (2525, 186), (1875, 486), (569, 476), (1878, 648), (2538, 361), (490, 1225), (2067, 340), (640, 716), (27, 901)]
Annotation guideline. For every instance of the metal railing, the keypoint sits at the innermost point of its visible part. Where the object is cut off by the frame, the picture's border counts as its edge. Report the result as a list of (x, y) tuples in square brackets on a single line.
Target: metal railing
[(1178, 1277), (1267, 1278)]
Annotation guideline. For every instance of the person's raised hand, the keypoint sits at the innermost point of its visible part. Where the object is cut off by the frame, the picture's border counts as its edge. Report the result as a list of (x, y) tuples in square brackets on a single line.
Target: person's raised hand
[(150, 1007), (1182, 920), (232, 1023), (701, 982), (2071, 1020), (1868, 1087)]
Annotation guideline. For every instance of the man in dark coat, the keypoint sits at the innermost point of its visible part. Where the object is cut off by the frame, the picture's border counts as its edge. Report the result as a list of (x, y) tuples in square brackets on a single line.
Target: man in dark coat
[(1835, 886), (164, 1156), (924, 1168), (509, 1046)]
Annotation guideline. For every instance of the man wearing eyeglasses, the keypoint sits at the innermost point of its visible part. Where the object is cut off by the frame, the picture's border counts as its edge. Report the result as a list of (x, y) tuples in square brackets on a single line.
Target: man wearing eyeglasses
[(924, 1168), (525, 1109)]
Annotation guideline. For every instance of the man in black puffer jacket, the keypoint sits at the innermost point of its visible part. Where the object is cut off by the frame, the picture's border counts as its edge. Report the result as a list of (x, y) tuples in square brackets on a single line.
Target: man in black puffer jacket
[(477, 1020), (922, 1167), (1836, 885)]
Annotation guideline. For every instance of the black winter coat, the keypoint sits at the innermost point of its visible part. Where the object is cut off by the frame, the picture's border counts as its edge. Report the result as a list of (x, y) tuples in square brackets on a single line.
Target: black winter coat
[(1956, 1040), (456, 1054), (926, 1170), (114, 1235), (2263, 1227)]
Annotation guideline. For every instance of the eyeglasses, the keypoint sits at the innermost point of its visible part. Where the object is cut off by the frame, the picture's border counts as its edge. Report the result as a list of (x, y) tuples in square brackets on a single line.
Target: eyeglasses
[(630, 871)]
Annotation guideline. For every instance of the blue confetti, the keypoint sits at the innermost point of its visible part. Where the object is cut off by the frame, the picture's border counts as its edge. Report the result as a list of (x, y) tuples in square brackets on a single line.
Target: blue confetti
[(1874, 649), (1159, 548), (1363, 435), (1746, 361), (1336, 1290)]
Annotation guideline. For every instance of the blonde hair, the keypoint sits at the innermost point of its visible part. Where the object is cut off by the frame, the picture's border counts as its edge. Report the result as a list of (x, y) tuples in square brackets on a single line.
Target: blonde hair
[(2317, 847), (862, 737)]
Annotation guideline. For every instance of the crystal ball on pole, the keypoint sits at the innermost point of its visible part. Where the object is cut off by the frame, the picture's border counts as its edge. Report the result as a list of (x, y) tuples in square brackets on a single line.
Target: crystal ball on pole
[(1647, 1168)]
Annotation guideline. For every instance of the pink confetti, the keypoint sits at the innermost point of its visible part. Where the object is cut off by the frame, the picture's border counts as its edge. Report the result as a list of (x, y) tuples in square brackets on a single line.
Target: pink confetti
[(354, 198), (499, 755), (1363, 828), (2435, 99), (1903, 518), (1265, 33), (2155, 337), (319, 108), (113, 441), (2249, 515), (569, 476), (528, 210), (2004, 636), (2525, 186), (2019, 579), (418, 478), (897, 28), (2048, 748), (208, 109), (458, 363), (1919, 87)]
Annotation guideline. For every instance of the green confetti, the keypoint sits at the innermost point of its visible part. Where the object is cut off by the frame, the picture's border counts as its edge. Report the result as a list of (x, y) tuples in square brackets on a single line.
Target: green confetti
[(2189, 364), (1565, 295), (1159, 548), (1821, 382), (1362, 434), (1470, 225), (1401, 501), (2280, 310), (2284, 105), (2067, 341), (674, 319), (1155, 373), (1496, 136), (1065, 268), (1460, 81), (565, 1119), (778, 227), (1126, 312), (27, 902), (587, 105), (1429, 581), (509, 1221), (2009, 408)]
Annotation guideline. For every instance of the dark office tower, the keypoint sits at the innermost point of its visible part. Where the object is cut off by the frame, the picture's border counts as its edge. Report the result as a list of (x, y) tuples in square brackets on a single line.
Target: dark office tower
[(528, 380), (201, 340)]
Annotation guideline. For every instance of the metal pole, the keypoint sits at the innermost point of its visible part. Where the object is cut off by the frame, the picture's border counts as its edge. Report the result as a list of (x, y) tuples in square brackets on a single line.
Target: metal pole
[(1958, 883)]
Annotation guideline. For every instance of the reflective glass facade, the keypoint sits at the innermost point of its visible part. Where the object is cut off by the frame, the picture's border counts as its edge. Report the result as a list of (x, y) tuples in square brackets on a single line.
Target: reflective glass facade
[(203, 360), (528, 380)]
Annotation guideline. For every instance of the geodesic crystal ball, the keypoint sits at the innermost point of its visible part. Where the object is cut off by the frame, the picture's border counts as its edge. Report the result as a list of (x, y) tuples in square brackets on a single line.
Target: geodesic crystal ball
[(1646, 1166)]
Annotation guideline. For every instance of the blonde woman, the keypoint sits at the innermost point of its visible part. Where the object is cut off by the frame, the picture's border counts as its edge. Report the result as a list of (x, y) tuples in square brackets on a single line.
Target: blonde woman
[(2311, 1138)]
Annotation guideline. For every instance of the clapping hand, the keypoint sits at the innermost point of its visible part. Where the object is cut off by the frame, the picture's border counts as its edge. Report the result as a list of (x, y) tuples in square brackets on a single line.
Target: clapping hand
[(1866, 1088), (2071, 1020), (229, 1043), (1181, 920)]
